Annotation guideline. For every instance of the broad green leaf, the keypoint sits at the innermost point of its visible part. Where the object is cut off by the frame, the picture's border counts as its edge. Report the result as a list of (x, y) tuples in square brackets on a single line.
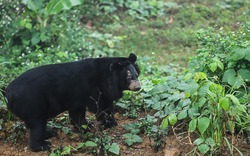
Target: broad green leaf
[(192, 87), (215, 88), (129, 142), (198, 141), (188, 76), (43, 37), (203, 124), (128, 138), (172, 119), (34, 5), (28, 26), (185, 102), (56, 6), (238, 82), (81, 145), (224, 103), (22, 23), (247, 57), (235, 100), (110, 43), (245, 74), (220, 64), (213, 66), (193, 112), (229, 77), (203, 148), (192, 125), (137, 138), (210, 141), (203, 90), (164, 123), (131, 138), (35, 38), (237, 53), (200, 76), (176, 97), (201, 102), (114, 148), (90, 144), (66, 150), (182, 115)]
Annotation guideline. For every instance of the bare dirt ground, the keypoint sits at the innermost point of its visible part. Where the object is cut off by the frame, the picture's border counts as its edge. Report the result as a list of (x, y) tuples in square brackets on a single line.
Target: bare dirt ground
[(15, 143)]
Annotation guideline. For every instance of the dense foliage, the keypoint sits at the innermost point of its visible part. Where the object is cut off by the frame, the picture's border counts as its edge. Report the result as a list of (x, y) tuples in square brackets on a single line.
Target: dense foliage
[(209, 99)]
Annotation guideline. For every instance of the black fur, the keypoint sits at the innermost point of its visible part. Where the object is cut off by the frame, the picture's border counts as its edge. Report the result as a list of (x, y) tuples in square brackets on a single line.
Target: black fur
[(45, 91)]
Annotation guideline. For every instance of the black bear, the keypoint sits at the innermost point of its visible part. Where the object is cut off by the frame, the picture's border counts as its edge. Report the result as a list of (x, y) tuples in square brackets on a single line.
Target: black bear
[(94, 83)]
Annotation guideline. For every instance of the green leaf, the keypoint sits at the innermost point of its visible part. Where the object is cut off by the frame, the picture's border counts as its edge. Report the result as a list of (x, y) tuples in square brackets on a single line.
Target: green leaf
[(137, 138), (90, 144), (244, 74), (131, 138), (182, 115), (43, 37), (229, 77), (213, 66), (201, 102), (35, 40), (247, 57), (192, 87), (238, 82), (192, 125), (188, 76), (81, 145), (114, 148), (203, 148), (203, 124), (22, 23), (200, 76), (220, 64), (224, 103), (203, 90), (233, 98), (28, 26), (110, 43), (172, 119), (237, 53), (175, 97), (198, 141), (193, 112), (34, 5), (56, 6), (210, 141), (66, 150), (164, 123)]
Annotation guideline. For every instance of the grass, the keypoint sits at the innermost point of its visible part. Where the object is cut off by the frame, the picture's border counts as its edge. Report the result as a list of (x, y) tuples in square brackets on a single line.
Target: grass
[(171, 37)]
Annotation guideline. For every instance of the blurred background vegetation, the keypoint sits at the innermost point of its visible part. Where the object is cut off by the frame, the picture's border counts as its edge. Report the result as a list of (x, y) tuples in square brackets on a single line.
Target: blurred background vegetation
[(171, 37)]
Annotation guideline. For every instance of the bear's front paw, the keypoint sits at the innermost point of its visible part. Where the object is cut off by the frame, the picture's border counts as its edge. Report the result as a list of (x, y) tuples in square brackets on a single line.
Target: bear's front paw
[(44, 147), (109, 124)]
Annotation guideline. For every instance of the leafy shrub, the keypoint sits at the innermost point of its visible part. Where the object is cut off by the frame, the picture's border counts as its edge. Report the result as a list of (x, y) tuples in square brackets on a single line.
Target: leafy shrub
[(224, 54), (43, 32)]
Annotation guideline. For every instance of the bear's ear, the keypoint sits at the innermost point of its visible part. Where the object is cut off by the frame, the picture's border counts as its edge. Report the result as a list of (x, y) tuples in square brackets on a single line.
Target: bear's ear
[(132, 58), (116, 66)]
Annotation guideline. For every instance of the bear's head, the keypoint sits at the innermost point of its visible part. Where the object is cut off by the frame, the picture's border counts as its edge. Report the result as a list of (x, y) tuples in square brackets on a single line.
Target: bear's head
[(128, 73), (124, 76)]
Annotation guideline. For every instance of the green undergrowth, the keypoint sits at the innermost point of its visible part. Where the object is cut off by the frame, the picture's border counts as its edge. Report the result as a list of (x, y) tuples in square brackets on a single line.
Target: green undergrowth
[(193, 55)]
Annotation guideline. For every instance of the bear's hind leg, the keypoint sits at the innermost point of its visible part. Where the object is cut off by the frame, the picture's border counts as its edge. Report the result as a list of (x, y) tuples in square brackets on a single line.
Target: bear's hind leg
[(37, 136), (49, 133)]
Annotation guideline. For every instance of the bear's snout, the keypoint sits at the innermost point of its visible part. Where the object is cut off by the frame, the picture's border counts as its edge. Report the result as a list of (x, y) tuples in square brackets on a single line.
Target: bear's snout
[(134, 85)]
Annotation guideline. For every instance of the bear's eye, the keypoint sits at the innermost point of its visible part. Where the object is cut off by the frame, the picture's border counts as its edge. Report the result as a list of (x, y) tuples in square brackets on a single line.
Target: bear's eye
[(129, 75)]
